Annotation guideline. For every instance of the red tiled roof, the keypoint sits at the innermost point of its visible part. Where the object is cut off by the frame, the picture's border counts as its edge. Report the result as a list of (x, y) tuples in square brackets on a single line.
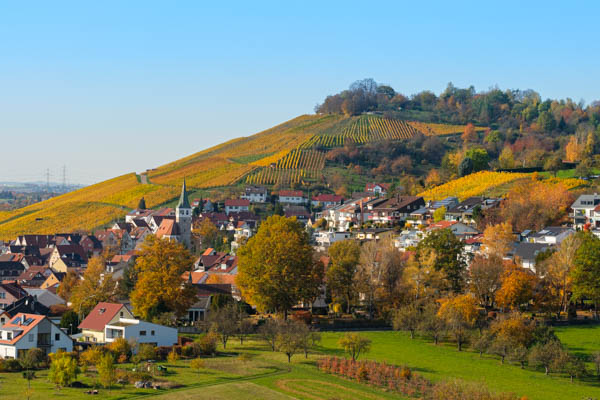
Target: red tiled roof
[(100, 316), (36, 319), (291, 193), (370, 186), (328, 198), (237, 203), (167, 227), (442, 224)]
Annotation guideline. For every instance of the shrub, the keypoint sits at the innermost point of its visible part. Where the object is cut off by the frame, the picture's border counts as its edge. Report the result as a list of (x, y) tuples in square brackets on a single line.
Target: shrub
[(146, 352), (197, 364), (121, 349), (11, 365), (91, 356), (208, 343), (173, 356), (187, 351)]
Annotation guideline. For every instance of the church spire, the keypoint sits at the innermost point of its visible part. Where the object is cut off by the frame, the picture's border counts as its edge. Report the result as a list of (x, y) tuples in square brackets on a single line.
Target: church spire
[(183, 200)]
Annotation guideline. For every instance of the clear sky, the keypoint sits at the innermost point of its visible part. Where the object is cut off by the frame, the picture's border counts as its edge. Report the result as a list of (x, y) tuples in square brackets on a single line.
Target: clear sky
[(107, 88)]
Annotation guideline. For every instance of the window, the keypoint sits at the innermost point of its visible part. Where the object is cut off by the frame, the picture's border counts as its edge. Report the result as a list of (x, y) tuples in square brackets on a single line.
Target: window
[(142, 333), (57, 336), (152, 333), (2, 295), (31, 337), (121, 314)]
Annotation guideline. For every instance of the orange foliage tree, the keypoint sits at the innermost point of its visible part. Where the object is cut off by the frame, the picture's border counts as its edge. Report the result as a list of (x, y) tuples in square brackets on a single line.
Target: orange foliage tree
[(517, 287), (460, 314), (498, 239), (469, 134), (533, 205)]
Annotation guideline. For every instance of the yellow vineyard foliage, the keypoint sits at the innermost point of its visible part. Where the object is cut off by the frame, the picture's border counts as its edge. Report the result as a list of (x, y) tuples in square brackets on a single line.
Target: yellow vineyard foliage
[(475, 184), (432, 129)]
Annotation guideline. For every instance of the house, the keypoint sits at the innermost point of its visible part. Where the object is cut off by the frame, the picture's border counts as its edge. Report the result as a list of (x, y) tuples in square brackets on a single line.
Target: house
[(526, 253), (26, 331), (584, 211), (10, 270), (460, 230), (344, 216), (66, 257), (255, 194), (53, 280), (27, 304), (392, 210), (324, 239), (141, 332), (292, 197), (92, 327), (371, 234), (91, 245), (379, 189), (326, 200), (117, 239), (465, 210), (9, 293), (551, 235), (39, 241), (300, 212), (236, 205), (408, 238), (45, 297), (34, 276)]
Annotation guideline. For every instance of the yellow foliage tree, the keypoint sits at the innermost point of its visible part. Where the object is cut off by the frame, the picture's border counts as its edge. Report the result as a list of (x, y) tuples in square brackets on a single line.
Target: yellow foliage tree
[(159, 287), (498, 239), (97, 285)]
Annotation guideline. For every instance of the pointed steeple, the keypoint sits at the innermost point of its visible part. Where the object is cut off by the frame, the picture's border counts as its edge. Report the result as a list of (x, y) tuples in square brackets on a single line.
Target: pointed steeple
[(183, 199)]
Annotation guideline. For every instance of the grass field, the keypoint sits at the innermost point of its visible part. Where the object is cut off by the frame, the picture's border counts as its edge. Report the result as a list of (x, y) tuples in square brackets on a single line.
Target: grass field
[(267, 375)]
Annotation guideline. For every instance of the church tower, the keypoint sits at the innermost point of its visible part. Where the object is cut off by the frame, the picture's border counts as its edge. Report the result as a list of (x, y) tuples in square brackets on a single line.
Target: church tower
[(183, 217)]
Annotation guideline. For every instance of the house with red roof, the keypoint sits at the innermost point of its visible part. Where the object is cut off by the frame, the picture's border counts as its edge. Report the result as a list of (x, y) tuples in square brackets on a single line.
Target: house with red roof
[(26, 331), (236, 205), (92, 327), (326, 200), (292, 197)]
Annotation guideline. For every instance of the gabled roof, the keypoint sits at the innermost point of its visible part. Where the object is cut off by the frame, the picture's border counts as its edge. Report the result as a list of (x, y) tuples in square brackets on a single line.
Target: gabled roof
[(14, 289), (327, 198), (27, 304), (237, 203), (100, 316), (20, 325), (291, 193), (369, 187), (168, 227)]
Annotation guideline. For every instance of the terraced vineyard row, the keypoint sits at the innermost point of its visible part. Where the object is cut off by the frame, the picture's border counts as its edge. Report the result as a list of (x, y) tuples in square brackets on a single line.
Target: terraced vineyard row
[(364, 130), (432, 129), (302, 159), (272, 176)]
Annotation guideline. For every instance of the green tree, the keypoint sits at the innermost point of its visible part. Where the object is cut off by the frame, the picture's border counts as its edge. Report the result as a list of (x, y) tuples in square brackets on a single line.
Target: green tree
[(431, 324), (344, 258), (159, 287), (197, 364), (142, 204), (479, 157), (63, 370), (106, 371), (448, 251), (276, 267), (546, 355), (70, 322), (465, 167), (586, 271), (355, 344)]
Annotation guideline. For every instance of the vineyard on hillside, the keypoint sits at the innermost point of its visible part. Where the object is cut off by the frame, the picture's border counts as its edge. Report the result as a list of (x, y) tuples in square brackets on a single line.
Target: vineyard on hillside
[(432, 129), (475, 184), (364, 129), (272, 176)]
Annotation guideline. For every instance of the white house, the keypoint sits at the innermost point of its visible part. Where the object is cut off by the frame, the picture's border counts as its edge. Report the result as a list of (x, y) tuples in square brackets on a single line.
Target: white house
[(92, 327), (292, 197), (324, 239), (236, 205), (255, 194), (551, 235), (584, 210), (140, 332), (26, 331)]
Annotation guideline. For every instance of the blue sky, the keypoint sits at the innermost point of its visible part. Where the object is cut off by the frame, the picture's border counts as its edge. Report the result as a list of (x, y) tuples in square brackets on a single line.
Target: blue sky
[(107, 88)]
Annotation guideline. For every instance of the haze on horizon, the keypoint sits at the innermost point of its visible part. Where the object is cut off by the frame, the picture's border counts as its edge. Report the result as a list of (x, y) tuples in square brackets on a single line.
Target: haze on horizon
[(109, 88)]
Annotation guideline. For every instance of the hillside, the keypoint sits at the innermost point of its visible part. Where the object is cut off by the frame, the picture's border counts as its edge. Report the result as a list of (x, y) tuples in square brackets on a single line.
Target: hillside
[(292, 153)]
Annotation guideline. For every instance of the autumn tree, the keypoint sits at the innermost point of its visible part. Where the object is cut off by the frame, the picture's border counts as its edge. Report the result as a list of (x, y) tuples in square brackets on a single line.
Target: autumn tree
[(485, 277), (556, 273), (546, 355), (586, 274), (498, 239), (506, 158), (207, 232), (344, 258), (268, 332), (355, 344), (469, 134), (277, 268), (534, 205), (63, 370), (511, 332), (439, 214), (433, 178), (407, 319), (448, 250), (575, 149), (225, 321), (459, 314), (97, 285), (290, 338), (517, 287), (67, 285), (431, 323), (159, 287), (107, 372)]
